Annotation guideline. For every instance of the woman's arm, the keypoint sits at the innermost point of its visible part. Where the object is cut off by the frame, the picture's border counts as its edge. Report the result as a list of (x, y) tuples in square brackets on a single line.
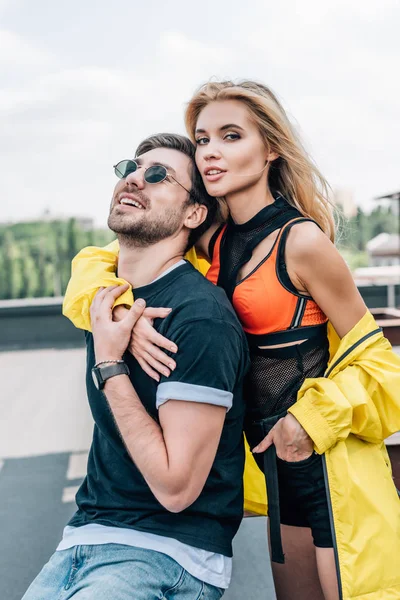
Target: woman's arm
[(315, 266), (361, 398), (91, 269)]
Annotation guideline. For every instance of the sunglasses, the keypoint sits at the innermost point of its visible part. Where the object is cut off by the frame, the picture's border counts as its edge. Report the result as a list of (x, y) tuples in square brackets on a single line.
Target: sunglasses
[(153, 174)]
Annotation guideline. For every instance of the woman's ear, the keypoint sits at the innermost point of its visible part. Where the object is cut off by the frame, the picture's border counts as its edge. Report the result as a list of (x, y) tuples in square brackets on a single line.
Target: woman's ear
[(196, 216), (272, 156)]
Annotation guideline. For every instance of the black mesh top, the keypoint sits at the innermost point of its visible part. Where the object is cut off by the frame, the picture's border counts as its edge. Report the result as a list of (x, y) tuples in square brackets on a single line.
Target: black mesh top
[(275, 375)]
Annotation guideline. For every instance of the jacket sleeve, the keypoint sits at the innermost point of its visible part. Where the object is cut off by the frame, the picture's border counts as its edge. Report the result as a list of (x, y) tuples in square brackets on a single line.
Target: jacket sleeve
[(91, 269), (95, 267), (363, 399)]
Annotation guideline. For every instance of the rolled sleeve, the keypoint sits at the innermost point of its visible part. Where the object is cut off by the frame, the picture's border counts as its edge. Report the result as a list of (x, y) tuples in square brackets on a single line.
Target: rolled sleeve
[(177, 390)]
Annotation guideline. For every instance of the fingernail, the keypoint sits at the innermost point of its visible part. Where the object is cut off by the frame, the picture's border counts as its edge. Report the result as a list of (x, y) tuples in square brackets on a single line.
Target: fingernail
[(173, 349), (171, 366), (166, 373), (140, 302), (255, 449)]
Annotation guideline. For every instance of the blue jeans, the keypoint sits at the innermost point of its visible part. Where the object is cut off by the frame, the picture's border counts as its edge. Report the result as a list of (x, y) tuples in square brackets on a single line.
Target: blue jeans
[(116, 572)]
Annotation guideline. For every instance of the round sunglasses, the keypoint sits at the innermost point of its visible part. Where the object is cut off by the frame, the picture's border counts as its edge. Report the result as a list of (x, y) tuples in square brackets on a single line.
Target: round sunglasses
[(153, 174)]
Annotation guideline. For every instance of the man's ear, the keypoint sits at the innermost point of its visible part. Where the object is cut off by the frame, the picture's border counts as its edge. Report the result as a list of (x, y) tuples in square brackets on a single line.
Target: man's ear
[(196, 215)]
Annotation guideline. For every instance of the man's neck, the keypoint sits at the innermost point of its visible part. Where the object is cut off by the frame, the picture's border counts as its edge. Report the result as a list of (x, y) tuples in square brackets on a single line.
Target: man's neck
[(140, 266)]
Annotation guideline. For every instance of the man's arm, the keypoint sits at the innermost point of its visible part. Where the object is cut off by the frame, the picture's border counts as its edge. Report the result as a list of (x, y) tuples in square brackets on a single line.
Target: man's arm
[(174, 457)]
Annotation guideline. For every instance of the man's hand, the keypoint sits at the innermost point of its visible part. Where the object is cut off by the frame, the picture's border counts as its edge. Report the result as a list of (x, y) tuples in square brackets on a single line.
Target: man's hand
[(112, 338), (291, 441), (145, 342)]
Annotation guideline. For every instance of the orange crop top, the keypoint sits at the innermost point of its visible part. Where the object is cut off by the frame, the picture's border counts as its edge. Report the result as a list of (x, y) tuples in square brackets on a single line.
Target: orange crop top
[(266, 301)]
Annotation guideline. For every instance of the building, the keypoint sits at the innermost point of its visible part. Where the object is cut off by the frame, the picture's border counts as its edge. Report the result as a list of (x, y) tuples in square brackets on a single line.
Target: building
[(384, 250)]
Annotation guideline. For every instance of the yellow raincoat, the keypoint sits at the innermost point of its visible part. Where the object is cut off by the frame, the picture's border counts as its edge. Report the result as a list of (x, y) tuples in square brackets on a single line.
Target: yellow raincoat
[(348, 413)]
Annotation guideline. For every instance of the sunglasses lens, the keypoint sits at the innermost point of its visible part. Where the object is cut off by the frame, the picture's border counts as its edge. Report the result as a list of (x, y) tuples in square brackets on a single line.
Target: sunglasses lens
[(123, 168), (155, 174)]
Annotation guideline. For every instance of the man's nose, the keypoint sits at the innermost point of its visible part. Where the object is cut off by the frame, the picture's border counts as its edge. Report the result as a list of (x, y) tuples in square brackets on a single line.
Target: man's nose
[(136, 179)]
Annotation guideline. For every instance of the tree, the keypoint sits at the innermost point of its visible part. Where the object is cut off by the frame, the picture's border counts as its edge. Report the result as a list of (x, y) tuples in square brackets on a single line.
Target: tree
[(12, 272)]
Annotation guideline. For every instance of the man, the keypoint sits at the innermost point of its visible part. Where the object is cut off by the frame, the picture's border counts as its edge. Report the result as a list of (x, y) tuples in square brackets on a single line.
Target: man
[(162, 498)]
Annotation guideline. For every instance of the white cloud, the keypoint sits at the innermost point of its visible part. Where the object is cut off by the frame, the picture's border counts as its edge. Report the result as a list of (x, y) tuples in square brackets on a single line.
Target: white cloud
[(179, 46), (66, 119), (17, 53)]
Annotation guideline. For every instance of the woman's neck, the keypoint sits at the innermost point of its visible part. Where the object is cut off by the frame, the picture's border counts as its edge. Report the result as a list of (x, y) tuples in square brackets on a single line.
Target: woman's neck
[(244, 205)]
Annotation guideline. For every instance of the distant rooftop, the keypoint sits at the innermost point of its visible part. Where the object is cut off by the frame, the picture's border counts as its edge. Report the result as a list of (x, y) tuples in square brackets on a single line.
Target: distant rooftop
[(377, 275), (384, 243), (392, 196)]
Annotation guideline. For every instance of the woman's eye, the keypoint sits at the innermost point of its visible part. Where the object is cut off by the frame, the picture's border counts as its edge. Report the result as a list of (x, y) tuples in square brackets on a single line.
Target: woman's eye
[(232, 136), (201, 141)]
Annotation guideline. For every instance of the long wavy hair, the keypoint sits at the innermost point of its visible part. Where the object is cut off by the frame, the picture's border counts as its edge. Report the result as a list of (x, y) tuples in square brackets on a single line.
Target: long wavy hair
[(293, 174)]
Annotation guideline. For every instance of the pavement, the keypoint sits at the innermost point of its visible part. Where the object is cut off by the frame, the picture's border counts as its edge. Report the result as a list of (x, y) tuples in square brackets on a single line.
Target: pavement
[(45, 433)]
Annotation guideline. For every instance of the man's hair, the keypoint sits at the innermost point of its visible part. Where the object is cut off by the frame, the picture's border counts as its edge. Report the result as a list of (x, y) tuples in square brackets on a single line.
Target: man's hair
[(198, 193)]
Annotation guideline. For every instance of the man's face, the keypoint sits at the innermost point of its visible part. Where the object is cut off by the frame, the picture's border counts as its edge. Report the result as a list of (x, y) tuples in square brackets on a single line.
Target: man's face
[(161, 209)]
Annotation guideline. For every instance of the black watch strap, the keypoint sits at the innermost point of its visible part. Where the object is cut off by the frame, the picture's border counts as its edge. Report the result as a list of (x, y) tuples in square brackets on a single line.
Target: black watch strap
[(103, 372)]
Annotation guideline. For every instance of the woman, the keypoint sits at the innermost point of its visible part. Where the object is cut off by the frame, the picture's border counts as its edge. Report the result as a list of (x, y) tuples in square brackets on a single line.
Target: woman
[(317, 416)]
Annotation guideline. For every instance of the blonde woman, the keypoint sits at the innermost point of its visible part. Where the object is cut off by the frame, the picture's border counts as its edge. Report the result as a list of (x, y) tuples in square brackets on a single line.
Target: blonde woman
[(320, 400)]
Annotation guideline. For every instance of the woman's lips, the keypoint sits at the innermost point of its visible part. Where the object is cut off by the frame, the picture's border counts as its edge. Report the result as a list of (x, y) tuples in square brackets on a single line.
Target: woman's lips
[(215, 176)]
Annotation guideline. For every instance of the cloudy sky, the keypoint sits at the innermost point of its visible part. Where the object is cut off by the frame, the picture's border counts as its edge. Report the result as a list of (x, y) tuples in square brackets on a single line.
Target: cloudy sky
[(83, 81)]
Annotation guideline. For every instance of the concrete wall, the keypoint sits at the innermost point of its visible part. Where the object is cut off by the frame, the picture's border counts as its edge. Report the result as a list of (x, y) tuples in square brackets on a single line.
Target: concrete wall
[(376, 296), (36, 323), (39, 323)]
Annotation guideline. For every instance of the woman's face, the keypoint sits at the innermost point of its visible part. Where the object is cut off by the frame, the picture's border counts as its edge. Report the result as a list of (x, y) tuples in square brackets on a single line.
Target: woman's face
[(230, 152)]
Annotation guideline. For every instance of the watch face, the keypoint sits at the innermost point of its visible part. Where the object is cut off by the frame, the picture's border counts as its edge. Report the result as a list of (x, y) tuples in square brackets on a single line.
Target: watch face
[(95, 380)]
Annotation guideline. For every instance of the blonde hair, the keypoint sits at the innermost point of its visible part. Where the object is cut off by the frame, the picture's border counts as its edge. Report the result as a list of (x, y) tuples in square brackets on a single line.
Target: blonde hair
[(293, 174)]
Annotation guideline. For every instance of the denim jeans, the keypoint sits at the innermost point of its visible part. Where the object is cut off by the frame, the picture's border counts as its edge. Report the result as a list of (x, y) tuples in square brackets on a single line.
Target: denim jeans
[(116, 572)]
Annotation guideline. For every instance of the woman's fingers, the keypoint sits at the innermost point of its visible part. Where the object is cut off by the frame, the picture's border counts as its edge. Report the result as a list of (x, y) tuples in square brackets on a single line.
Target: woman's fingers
[(159, 355), (149, 334), (147, 369), (155, 364), (162, 342), (145, 332), (266, 443), (157, 313)]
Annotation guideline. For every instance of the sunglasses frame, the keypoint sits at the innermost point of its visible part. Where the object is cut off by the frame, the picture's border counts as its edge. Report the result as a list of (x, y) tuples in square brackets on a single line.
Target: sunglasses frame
[(167, 175)]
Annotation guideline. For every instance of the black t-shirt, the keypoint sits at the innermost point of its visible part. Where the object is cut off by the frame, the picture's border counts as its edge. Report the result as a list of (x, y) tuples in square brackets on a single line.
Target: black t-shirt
[(211, 361)]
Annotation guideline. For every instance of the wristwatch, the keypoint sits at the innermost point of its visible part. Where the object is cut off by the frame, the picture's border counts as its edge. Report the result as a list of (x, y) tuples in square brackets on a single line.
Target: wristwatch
[(101, 373)]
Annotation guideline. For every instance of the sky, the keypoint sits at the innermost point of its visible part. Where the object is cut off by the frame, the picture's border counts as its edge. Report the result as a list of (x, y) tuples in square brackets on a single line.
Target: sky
[(82, 82)]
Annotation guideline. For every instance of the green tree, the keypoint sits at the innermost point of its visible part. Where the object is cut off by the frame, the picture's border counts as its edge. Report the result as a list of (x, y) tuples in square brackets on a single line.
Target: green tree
[(12, 267), (30, 279)]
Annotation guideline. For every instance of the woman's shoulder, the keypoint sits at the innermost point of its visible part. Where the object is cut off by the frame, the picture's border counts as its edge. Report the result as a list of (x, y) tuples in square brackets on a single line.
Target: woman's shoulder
[(306, 239)]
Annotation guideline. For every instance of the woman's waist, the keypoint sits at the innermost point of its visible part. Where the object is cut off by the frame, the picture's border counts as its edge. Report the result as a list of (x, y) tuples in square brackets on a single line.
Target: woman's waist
[(304, 337), (276, 375)]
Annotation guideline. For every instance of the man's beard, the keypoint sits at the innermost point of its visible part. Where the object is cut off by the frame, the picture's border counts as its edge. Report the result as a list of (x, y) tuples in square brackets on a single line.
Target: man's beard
[(143, 232)]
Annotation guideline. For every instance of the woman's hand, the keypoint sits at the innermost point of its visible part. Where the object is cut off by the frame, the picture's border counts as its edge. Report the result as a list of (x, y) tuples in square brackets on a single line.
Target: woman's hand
[(145, 342), (291, 441)]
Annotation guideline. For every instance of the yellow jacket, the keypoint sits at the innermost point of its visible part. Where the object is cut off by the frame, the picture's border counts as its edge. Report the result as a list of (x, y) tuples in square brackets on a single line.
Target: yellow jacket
[(348, 413)]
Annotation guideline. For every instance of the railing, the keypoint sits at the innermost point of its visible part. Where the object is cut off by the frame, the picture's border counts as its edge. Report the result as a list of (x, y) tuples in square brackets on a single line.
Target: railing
[(36, 323), (39, 323)]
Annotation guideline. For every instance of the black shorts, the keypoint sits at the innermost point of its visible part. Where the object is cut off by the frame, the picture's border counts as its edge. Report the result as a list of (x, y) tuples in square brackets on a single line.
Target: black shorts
[(302, 490), (302, 497)]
